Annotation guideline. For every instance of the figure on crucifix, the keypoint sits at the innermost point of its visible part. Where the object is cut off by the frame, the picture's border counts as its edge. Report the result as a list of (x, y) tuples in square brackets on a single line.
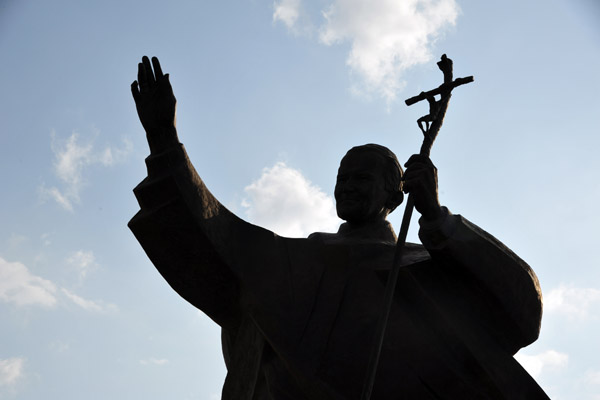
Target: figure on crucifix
[(299, 316)]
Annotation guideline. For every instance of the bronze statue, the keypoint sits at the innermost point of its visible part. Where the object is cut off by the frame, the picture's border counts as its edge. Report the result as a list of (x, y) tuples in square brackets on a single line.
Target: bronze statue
[(298, 315)]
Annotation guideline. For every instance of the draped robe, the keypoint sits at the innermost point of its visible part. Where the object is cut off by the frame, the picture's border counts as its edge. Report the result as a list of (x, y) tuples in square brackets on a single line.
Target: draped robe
[(298, 315)]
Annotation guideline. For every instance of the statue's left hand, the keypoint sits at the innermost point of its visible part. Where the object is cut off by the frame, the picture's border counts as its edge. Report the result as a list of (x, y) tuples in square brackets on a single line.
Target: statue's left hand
[(156, 105), (420, 180)]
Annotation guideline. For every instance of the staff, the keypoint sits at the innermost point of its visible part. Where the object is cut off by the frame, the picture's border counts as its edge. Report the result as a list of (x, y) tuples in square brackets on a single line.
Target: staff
[(430, 125)]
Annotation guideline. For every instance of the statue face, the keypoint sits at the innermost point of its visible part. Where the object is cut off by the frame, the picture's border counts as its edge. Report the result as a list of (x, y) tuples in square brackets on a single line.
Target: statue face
[(360, 188)]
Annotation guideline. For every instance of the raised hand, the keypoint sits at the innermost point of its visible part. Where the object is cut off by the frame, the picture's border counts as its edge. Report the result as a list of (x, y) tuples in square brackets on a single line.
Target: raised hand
[(156, 105), (420, 180)]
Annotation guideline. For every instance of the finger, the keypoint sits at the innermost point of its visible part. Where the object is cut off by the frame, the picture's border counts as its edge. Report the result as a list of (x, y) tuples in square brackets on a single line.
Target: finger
[(157, 69), (164, 87), (423, 178), (149, 73), (418, 171), (418, 158), (409, 184), (414, 181), (135, 91), (143, 82), (414, 158)]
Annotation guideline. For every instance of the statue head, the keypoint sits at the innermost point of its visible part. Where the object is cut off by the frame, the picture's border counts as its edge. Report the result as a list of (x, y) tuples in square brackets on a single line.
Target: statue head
[(369, 184)]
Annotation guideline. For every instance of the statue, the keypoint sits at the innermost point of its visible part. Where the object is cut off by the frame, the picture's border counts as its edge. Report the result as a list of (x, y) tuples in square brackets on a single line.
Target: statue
[(298, 315)]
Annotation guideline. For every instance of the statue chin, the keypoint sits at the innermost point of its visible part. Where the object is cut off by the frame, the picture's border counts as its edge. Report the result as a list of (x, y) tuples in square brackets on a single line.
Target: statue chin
[(357, 213), (350, 214)]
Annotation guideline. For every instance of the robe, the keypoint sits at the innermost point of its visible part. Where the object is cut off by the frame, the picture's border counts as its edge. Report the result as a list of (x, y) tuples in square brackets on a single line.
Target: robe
[(298, 315)]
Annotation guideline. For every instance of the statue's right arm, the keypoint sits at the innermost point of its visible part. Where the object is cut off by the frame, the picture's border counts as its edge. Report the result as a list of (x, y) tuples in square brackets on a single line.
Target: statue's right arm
[(211, 257), (165, 226)]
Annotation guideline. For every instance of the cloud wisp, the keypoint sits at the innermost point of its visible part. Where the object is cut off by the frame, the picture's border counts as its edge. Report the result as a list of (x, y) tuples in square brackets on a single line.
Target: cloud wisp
[(11, 370), (386, 37), (154, 361), (547, 360), (71, 159), (573, 302), (22, 288), (592, 377), (89, 305), (83, 262), (284, 201), (288, 12)]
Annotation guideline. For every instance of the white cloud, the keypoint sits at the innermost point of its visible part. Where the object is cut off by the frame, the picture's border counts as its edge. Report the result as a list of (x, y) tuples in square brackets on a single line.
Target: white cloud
[(571, 301), (21, 287), (15, 240), (59, 347), (592, 377), (45, 237), (286, 11), (11, 369), (71, 158), (154, 361), (89, 305), (548, 360), (64, 200), (387, 37), (283, 200), (82, 261)]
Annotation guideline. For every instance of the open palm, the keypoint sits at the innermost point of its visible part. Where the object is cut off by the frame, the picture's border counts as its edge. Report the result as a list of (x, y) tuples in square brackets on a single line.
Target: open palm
[(156, 104)]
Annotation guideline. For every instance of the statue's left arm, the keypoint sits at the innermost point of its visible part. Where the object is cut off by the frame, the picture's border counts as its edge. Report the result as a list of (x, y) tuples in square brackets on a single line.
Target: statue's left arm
[(485, 279), (482, 281)]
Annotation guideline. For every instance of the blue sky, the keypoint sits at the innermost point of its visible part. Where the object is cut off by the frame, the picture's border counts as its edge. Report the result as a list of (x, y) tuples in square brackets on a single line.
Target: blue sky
[(270, 96)]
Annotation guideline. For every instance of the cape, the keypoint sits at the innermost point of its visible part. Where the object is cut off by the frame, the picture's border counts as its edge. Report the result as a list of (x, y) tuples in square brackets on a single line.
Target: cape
[(298, 315)]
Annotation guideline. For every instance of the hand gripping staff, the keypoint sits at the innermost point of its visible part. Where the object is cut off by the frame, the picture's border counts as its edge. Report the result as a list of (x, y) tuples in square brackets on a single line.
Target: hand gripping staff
[(430, 126)]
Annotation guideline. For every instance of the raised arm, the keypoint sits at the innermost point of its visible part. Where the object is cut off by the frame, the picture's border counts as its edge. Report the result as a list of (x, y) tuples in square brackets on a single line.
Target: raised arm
[(174, 206), (204, 251)]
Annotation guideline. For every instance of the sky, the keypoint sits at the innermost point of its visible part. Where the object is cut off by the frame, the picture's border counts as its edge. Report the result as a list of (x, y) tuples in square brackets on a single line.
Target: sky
[(271, 94)]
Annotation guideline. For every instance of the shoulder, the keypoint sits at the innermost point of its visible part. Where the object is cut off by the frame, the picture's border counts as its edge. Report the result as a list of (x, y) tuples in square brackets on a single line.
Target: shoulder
[(322, 237), (415, 253)]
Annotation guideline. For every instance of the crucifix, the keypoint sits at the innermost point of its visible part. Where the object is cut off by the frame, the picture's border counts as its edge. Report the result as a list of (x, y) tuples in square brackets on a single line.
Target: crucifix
[(430, 125)]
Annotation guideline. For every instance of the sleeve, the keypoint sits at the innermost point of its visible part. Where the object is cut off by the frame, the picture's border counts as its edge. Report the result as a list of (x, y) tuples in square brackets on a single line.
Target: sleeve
[(480, 274), (215, 260), (166, 228)]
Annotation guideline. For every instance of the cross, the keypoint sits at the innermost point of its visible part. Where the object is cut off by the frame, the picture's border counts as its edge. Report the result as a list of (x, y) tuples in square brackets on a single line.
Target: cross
[(430, 125)]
